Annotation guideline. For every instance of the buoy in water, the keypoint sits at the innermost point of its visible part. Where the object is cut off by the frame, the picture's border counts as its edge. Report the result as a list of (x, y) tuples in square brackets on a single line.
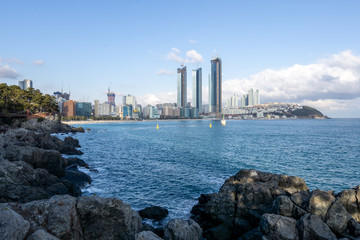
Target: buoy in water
[(210, 125), (157, 126)]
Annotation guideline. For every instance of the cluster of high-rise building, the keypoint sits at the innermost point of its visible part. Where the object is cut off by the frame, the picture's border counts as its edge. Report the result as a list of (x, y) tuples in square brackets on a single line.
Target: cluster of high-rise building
[(252, 98)]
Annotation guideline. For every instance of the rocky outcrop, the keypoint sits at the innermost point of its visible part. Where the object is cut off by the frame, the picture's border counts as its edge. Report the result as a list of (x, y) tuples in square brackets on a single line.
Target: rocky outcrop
[(66, 217), (258, 205), (178, 229), (147, 235), (154, 212)]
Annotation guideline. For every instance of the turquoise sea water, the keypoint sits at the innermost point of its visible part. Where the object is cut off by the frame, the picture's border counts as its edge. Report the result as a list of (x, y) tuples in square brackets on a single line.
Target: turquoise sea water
[(172, 166)]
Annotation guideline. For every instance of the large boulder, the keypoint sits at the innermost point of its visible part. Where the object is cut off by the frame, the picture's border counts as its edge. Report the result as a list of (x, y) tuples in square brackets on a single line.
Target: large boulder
[(77, 177), (312, 227), (58, 214), (178, 229), (12, 224), (278, 227), (154, 212), (320, 202), (41, 234), (350, 199), (108, 218), (337, 218), (283, 205)]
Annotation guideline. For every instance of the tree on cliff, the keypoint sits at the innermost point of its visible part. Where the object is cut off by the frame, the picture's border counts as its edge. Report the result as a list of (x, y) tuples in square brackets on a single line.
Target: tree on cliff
[(13, 99)]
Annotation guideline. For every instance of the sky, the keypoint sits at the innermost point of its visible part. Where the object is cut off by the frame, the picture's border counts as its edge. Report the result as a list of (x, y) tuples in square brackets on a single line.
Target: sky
[(304, 52)]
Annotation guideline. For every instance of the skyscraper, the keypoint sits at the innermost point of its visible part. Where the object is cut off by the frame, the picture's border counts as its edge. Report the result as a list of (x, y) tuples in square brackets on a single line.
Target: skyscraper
[(182, 87), (26, 84), (111, 97), (215, 88), (234, 101), (197, 89)]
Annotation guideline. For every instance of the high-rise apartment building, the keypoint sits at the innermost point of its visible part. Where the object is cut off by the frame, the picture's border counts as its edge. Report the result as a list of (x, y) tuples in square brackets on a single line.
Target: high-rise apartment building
[(129, 100), (111, 97), (234, 101), (197, 89), (215, 88), (26, 84), (181, 87)]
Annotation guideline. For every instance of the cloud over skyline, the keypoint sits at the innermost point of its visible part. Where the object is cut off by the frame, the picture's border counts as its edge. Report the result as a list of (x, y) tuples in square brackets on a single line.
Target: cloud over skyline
[(7, 72), (192, 56), (165, 72)]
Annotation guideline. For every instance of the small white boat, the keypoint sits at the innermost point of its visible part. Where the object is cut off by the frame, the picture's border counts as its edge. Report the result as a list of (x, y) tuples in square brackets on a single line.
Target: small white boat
[(223, 121)]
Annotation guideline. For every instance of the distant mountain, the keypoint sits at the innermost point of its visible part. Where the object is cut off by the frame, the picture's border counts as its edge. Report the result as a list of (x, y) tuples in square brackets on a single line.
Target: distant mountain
[(308, 112)]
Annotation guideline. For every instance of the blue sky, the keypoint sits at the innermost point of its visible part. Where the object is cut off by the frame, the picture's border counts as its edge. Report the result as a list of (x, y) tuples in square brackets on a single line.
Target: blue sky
[(293, 51)]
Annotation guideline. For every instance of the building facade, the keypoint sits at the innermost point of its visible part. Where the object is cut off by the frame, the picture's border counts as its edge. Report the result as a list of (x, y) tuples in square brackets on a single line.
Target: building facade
[(83, 109), (69, 108), (197, 89), (26, 84), (181, 87), (215, 87)]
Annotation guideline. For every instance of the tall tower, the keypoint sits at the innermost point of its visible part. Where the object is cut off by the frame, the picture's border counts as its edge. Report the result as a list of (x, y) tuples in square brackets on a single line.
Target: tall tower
[(197, 89), (215, 88), (26, 84), (181, 87), (111, 97)]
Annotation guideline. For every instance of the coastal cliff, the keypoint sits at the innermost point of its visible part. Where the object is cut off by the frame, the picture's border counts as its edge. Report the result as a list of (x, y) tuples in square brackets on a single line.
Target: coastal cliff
[(40, 198)]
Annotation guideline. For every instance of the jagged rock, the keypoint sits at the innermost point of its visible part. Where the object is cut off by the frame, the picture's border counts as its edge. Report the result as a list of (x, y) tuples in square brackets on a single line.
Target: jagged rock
[(12, 225), (283, 205), (320, 202), (278, 227), (58, 214), (70, 141), (48, 125), (350, 199), (337, 218), (50, 160), (154, 212), (68, 146), (178, 229), (147, 235), (41, 234), (301, 199), (78, 178), (220, 232), (312, 227), (246, 197), (20, 182), (76, 161), (108, 218)]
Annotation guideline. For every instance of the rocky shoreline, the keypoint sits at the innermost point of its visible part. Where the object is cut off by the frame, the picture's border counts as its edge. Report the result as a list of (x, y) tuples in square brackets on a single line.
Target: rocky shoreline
[(40, 198)]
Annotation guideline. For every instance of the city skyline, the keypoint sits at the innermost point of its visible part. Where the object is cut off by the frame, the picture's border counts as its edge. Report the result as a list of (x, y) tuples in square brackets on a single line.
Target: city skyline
[(82, 47)]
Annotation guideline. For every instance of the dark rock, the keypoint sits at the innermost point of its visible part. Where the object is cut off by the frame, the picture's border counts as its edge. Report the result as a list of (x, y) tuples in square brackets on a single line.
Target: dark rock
[(41, 234), (78, 129), (312, 227), (178, 229), (337, 218), (77, 177), (301, 199), (204, 198), (278, 227), (12, 225), (147, 235), (354, 228), (154, 212), (320, 202), (76, 161), (147, 227), (253, 234), (220, 232), (107, 218), (73, 142), (283, 205)]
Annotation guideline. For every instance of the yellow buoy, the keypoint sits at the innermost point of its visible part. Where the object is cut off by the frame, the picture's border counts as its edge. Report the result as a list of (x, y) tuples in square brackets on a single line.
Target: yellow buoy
[(157, 126), (210, 125)]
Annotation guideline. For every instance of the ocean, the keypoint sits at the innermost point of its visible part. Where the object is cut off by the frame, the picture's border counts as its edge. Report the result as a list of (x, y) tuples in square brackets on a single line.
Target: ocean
[(171, 166)]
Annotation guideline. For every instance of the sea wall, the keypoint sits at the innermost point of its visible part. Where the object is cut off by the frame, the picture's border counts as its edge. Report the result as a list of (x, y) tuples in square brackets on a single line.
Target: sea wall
[(40, 198)]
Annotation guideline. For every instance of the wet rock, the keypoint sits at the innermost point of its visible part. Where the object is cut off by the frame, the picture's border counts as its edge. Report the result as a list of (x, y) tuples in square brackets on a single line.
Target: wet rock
[(147, 235), (301, 199), (12, 225), (283, 205), (41, 234), (278, 227), (220, 232), (154, 212), (76, 161), (178, 229), (254, 234), (337, 218), (73, 142), (108, 218), (354, 228), (320, 202), (312, 227), (77, 177)]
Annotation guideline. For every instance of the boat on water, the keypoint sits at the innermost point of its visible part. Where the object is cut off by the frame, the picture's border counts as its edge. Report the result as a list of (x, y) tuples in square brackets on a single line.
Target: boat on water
[(223, 121)]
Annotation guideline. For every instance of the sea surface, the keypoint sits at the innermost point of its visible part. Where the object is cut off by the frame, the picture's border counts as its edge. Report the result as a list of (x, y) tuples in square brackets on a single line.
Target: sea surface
[(171, 166)]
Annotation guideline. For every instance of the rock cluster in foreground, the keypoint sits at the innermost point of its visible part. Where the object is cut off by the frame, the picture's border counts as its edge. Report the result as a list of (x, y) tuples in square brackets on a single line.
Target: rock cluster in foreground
[(258, 205)]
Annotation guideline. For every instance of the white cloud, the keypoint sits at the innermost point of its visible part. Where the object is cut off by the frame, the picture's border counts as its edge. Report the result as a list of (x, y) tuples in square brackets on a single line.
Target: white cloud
[(7, 72), (165, 72), (193, 41), (153, 99), (12, 60), (39, 62), (192, 56)]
